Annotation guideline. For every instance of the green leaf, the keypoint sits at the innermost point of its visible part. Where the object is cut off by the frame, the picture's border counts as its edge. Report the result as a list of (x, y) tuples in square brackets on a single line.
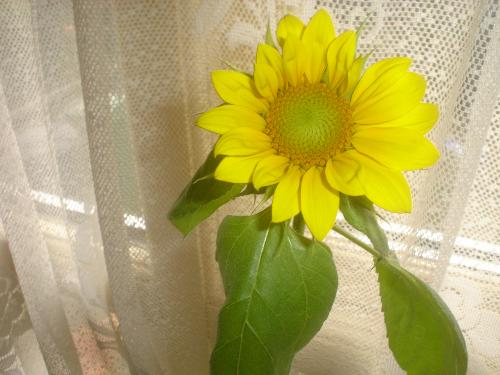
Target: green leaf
[(359, 212), (422, 332), (202, 197), (279, 286)]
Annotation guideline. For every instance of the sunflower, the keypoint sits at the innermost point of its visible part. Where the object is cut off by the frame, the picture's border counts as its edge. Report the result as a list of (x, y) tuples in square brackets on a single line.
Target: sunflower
[(312, 123)]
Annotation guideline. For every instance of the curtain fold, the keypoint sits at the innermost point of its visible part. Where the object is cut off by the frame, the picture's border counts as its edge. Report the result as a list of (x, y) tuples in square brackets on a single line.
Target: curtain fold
[(97, 139)]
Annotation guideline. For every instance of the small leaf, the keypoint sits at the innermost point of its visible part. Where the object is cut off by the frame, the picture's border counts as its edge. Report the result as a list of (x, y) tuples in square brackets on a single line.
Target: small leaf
[(422, 332), (279, 288), (359, 212), (202, 197)]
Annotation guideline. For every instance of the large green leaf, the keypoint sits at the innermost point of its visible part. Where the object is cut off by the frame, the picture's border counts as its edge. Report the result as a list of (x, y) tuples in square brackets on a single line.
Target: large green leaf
[(202, 197), (359, 212), (279, 288), (422, 332)]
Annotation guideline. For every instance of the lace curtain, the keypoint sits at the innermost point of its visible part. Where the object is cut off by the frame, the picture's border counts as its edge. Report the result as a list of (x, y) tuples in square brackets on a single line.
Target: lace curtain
[(97, 139)]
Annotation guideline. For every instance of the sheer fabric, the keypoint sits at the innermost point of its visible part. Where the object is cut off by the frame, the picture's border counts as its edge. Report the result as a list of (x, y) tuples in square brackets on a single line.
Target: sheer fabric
[(97, 107)]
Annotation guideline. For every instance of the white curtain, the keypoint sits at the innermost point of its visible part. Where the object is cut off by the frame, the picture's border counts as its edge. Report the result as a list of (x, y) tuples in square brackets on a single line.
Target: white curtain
[(97, 139)]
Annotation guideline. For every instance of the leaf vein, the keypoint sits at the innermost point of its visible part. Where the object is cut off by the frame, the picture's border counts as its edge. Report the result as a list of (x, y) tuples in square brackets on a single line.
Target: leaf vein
[(225, 307), (264, 243), (264, 346), (219, 347), (306, 305), (318, 273), (230, 251), (270, 309)]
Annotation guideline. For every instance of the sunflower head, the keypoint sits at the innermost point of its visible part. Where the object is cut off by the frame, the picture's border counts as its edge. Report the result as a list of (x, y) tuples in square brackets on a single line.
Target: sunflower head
[(309, 124), (312, 121)]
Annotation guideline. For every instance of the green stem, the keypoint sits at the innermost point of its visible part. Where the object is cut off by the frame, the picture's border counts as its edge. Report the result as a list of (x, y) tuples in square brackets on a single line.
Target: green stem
[(299, 224), (358, 242)]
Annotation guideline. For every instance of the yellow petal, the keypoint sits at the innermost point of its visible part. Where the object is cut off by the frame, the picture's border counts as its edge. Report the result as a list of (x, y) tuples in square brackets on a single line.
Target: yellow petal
[(228, 116), (319, 29), (238, 88), (341, 173), (238, 169), (317, 35), (319, 203), (286, 196), (421, 119), (385, 187), (242, 142), (270, 56), (391, 103), (288, 26), (340, 57), (266, 81), (396, 148), (270, 170), (294, 60), (314, 61), (384, 72), (347, 86)]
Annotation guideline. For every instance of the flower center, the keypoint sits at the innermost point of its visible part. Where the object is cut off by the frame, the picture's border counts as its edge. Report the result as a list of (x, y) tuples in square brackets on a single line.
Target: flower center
[(309, 124)]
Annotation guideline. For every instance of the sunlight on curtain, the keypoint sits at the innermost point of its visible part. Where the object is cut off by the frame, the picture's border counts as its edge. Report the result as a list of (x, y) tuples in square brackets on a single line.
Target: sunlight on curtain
[(97, 107)]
